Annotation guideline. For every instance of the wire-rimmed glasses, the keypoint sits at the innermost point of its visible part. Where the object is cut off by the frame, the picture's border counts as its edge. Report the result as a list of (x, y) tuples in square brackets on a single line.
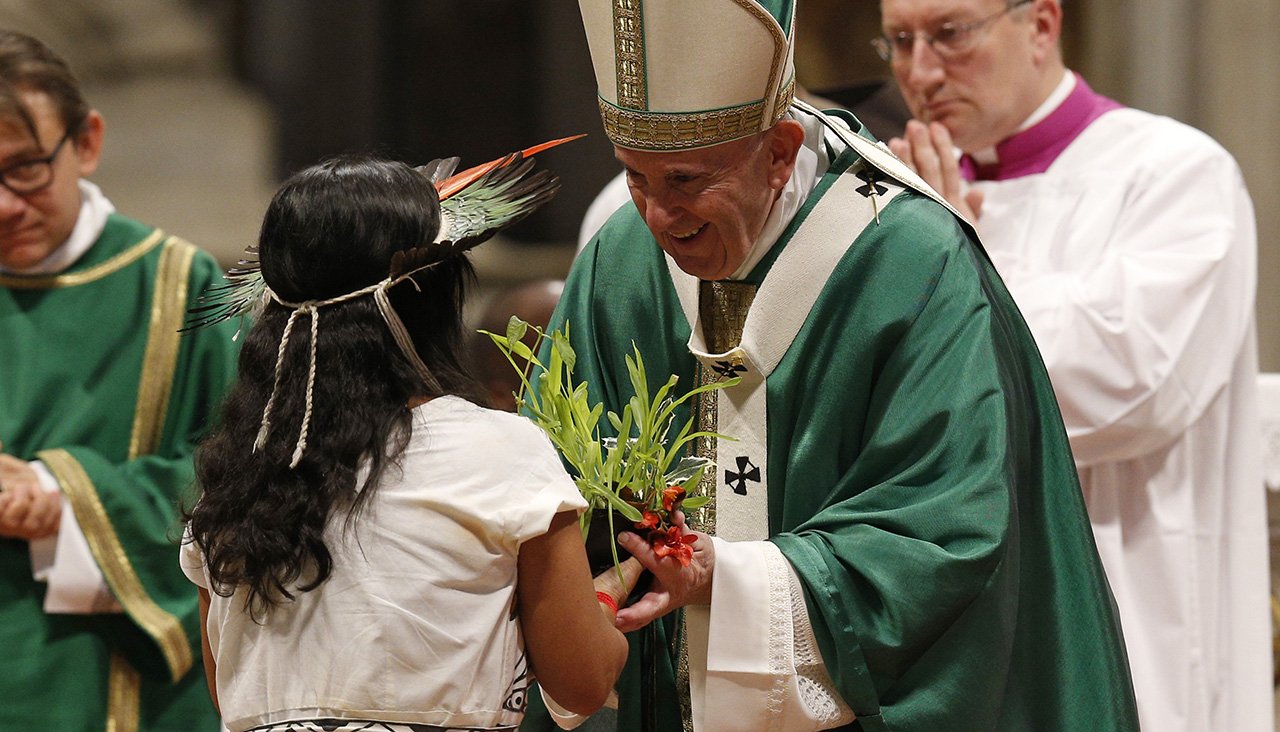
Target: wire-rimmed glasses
[(32, 176), (951, 39)]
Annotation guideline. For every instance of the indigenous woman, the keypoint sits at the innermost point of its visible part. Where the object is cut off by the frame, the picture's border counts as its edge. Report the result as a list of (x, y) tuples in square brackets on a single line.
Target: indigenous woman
[(373, 549)]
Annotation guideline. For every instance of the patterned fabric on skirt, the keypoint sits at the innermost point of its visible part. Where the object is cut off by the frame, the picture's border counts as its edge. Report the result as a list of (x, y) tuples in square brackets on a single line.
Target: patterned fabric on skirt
[(350, 725)]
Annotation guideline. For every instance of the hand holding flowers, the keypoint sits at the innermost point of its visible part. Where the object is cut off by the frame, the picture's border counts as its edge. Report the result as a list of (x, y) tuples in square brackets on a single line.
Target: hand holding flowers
[(675, 584)]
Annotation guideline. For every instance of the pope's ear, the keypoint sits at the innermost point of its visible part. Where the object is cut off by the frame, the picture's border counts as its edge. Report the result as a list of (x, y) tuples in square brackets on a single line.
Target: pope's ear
[(783, 140)]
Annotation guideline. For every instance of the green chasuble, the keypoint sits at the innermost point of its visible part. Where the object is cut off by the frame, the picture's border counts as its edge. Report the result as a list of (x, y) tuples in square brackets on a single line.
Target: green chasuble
[(919, 478), (96, 382)]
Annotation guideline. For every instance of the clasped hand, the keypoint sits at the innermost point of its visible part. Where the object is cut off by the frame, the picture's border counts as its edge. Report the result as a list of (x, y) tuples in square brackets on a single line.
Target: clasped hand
[(927, 149), (27, 511)]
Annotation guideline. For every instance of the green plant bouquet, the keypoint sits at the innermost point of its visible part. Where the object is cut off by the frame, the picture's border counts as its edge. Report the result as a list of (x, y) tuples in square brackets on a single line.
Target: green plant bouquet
[(639, 475)]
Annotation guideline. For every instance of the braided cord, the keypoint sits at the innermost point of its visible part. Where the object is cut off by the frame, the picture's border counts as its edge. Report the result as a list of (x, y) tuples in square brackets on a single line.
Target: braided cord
[(312, 307), (264, 428), (311, 382)]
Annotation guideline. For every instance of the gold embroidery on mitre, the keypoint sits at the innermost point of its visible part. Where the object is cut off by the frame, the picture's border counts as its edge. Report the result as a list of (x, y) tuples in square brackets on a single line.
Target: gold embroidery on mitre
[(629, 122), (668, 131), (168, 307), (628, 54)]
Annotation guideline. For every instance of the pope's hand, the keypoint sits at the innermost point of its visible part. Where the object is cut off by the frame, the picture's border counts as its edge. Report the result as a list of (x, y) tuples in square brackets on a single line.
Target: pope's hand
[(927, 149), (674, 585)]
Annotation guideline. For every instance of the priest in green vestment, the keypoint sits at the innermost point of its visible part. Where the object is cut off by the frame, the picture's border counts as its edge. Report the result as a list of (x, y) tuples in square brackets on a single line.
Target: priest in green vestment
[(101, 400), (897, 538)]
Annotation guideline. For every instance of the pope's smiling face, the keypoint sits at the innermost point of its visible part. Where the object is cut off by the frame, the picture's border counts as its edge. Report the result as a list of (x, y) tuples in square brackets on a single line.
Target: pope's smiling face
[(706, 207)]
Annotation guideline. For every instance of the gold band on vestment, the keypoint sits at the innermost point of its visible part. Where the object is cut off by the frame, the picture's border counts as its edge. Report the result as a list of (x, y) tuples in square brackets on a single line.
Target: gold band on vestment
[(168, 307), (163, 627), (722, 311), (124, 696), (96, 272)]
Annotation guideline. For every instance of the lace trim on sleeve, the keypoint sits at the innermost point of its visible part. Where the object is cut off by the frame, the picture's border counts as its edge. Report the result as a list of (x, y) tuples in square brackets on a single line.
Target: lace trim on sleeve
[(817, 690)]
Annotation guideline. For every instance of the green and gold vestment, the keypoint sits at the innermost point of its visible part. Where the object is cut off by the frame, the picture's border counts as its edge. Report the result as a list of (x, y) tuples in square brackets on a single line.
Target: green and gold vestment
[(97, 383)]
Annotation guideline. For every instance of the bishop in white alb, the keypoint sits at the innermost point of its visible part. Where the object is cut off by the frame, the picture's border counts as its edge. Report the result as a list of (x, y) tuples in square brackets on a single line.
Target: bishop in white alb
[(1128, 241)]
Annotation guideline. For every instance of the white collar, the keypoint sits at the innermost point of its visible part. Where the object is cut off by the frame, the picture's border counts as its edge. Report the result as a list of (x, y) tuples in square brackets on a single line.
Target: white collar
[(92, 219), (987, 156)]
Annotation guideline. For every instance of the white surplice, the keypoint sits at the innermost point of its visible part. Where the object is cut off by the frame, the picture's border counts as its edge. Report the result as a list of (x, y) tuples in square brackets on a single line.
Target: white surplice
[(1132, 257)]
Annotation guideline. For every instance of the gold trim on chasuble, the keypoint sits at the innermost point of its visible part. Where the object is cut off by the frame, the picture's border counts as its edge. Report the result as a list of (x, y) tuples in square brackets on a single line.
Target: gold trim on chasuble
[(722, 310), (96, 272), (124, 696), (169, 302), (630, 124), (168, 307)]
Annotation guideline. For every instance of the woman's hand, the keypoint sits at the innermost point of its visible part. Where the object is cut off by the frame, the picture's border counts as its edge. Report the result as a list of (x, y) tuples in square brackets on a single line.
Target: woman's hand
[(609, 585)]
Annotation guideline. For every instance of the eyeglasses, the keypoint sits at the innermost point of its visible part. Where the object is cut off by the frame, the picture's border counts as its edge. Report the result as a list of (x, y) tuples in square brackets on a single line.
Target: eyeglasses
[(32, 176), (949, 41)]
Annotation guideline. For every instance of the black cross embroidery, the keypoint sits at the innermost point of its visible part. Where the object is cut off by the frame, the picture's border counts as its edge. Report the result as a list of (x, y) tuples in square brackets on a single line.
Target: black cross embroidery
[(742, 476), (871, 177), (728, 369)]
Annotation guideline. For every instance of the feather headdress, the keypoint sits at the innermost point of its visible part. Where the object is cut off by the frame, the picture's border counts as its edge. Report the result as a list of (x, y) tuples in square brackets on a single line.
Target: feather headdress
[(474, 205)]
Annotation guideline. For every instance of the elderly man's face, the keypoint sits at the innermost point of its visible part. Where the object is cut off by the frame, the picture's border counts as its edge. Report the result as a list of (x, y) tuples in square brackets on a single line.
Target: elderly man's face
[(981, 95), (706, 207), (33, 225)]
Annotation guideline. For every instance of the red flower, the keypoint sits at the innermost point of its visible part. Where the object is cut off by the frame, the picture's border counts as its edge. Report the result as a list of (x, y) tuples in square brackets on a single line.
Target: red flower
[(650, 520), (673, 542), (671, 498)]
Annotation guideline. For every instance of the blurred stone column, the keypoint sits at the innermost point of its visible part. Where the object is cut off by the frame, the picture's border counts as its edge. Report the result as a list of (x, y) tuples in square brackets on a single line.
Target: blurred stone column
[(1213, 66), (1238, 102)]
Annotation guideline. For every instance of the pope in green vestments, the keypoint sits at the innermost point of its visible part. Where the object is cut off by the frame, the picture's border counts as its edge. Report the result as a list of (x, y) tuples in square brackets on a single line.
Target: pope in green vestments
[(897, 539), (920, 483), (98, 385)]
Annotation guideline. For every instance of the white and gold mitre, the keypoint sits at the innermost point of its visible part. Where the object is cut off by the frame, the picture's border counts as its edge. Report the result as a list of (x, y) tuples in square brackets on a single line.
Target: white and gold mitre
[(681, 74)]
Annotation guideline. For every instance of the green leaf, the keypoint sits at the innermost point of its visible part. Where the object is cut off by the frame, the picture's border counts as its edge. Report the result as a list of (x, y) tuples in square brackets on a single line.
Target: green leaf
[(626, 509), (687, 467), (499, 341), (693, 502), (516, 329), (520, 349), (560, 343)]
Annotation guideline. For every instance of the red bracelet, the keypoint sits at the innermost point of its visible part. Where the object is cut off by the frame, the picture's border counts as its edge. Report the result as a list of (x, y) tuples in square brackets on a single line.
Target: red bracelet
[(607, 600)]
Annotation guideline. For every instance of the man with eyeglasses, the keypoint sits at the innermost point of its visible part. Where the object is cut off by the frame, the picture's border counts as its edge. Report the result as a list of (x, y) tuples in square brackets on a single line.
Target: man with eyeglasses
[(1128, 242), (101, 400)]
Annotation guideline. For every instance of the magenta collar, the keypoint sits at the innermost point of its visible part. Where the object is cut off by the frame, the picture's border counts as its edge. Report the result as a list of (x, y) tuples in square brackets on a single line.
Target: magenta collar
[(1034, 149)]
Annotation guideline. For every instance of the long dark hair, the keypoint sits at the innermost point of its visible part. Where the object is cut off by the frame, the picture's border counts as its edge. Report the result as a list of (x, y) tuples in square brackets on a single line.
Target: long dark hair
[(330, 229)]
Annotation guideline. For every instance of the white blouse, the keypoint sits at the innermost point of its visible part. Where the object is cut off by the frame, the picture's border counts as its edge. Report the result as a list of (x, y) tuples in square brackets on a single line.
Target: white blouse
[(417, 623)]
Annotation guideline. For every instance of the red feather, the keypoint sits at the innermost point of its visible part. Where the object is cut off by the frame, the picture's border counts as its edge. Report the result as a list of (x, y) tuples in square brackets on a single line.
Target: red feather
[(458, 181)]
